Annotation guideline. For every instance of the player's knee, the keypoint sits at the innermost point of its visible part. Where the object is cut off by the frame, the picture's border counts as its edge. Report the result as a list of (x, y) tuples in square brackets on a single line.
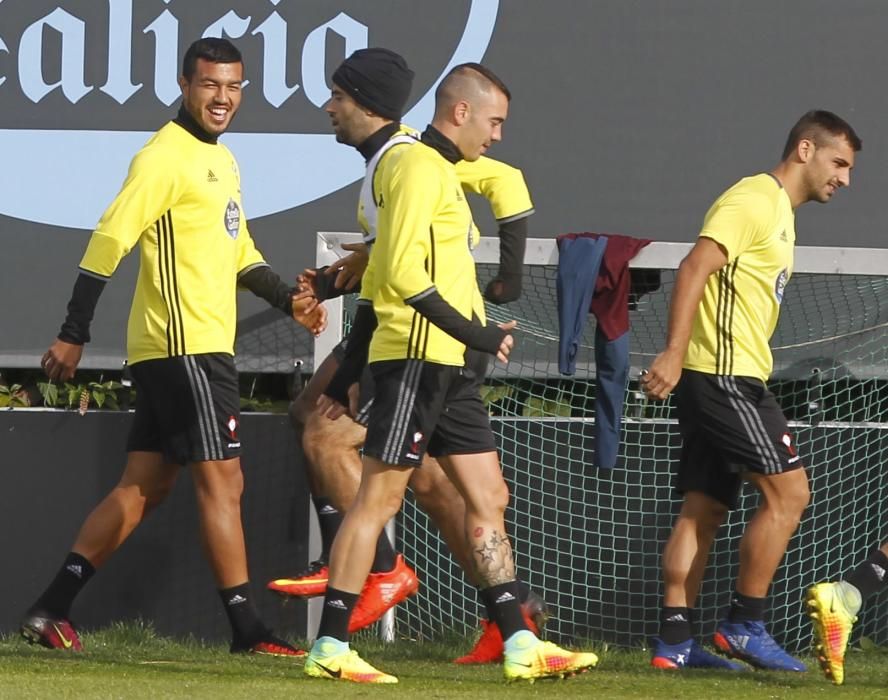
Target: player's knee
[(703, 511), (327, 442), (713, 516), (377, 507), (500, 497), (788, 498), (222, 489), (157, 495), (137, 498), (493, 503), (798, 500), (426, 483)]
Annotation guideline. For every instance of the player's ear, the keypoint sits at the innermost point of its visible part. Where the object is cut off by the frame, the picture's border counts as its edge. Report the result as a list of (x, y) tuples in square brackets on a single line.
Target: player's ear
[(461, 112), (805, 149)]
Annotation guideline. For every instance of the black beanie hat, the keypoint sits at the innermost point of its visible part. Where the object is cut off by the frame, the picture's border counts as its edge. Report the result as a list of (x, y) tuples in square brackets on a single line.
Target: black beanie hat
[(377, 79)]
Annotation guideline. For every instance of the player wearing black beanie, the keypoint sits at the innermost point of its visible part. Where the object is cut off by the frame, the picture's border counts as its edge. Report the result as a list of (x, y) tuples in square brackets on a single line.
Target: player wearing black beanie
[(377, 79)]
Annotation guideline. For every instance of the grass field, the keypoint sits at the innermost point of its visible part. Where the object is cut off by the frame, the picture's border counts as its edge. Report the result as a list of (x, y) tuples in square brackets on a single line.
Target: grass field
[(133, 662)]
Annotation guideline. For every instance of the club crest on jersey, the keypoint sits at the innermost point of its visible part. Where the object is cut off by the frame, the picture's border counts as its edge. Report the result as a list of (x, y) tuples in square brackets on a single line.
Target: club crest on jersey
[(780, 285), (232, 218)]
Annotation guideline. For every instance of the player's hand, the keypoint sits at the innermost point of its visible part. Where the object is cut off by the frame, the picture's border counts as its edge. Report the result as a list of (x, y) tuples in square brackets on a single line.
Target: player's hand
[(307, 281), (502, 290), (662, 376), (61, 360), (350, 269), (330, 407), (508, 342), (308, 313)]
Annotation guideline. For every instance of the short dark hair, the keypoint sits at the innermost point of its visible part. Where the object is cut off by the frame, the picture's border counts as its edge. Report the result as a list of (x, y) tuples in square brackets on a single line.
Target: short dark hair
[(814, 125), (209, 49), (488, 74)]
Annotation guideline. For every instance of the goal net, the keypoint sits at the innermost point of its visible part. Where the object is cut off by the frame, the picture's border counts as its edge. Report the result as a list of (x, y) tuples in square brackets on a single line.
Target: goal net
[(589, 539)]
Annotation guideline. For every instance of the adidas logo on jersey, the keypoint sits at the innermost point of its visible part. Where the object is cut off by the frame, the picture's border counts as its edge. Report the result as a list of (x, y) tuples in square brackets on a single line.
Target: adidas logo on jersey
[(676, 618), (237, 599), (75, 569), (505, 597), (336, 603), (211, 176), (878, 571)]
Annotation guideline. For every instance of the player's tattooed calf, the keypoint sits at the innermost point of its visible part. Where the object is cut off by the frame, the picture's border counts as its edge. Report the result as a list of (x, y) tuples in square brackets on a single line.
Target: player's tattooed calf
[(493, 558)]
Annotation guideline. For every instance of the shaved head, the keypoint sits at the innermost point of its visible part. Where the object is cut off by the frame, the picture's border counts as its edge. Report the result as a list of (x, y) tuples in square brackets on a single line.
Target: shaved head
[(468, 82), (471, 104)]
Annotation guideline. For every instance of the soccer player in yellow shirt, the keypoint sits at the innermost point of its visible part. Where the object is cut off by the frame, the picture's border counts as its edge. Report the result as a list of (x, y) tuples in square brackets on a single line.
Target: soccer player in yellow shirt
[(723, 311), (369, 92), (181, 204), (422, 307)]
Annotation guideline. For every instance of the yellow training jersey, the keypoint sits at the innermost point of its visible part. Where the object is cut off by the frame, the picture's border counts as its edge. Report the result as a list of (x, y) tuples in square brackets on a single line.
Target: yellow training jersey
[(181, 203), (755, 224), (423, 242), (502, 185)]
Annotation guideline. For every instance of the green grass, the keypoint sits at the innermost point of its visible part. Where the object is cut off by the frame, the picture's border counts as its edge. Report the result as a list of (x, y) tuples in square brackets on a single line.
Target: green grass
[(131, 661)]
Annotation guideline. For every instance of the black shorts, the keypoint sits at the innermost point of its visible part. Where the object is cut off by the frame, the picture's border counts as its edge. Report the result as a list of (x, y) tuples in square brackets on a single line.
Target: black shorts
[(421, 407), (729, 425), (475, 371), (365, 383), (187, 407)]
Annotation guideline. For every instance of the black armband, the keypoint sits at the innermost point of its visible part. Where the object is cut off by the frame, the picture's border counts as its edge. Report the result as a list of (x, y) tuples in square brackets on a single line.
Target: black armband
[(357, 349), (87, 290), (266, 284), (506, 286), (471, 333)]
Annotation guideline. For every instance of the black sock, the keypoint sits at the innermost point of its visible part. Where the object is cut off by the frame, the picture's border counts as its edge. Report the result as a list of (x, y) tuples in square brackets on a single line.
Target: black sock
[(488, 605), (747, 609), (246, 627), (675, 625), (385, 555), (870, 576), (338, 606), (329, 520), (504, 608), (523, 591), (56, 600)]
